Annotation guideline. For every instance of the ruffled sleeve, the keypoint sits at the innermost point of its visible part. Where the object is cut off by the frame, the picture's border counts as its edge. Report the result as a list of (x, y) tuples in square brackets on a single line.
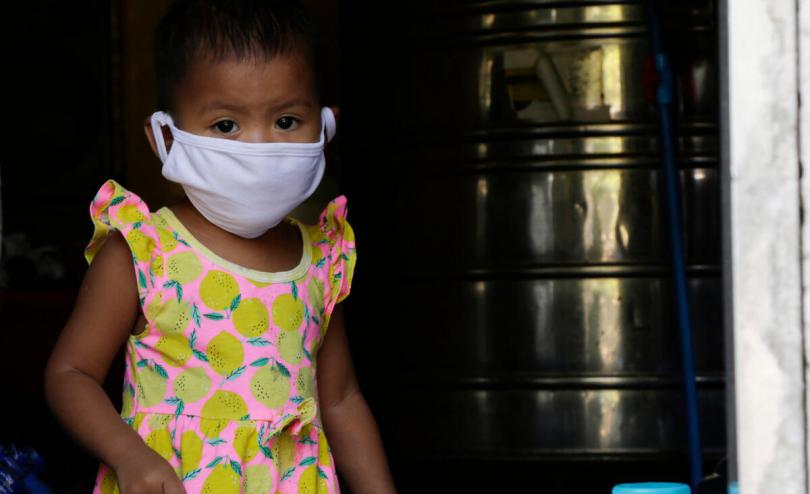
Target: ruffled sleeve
[(342, 253), (116, 208)]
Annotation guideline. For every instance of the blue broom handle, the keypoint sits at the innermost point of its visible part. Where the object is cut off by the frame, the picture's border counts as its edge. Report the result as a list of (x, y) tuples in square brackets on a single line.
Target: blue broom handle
[(672, 192)]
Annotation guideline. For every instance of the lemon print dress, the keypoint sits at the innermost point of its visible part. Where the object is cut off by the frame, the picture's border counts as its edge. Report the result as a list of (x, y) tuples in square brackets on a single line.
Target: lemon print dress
[(221, 382)]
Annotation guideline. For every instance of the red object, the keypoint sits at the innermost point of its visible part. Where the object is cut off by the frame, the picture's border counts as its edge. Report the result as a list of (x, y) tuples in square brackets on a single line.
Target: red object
[(649, 79)]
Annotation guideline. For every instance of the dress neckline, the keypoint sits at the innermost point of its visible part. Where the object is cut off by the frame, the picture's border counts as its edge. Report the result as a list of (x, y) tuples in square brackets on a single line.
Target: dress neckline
[(253, 274)]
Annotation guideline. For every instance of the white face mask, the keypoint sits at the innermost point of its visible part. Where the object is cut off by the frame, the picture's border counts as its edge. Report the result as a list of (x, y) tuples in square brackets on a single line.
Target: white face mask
[(245, 188)]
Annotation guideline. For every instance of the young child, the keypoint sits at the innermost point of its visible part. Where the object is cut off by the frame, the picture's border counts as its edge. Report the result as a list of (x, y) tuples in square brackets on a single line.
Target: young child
[(237, 363)]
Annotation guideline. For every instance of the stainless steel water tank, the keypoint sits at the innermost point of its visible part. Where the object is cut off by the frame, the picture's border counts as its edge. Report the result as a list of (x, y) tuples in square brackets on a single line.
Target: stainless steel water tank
[(533, 315)]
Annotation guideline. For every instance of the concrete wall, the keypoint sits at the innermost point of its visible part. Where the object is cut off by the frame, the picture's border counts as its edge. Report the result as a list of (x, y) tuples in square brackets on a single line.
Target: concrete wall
[(764, 243)]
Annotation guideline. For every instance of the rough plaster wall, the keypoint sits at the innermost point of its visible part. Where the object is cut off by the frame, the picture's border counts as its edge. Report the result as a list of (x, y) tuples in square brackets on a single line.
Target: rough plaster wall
[(804, 156), (765, 226)]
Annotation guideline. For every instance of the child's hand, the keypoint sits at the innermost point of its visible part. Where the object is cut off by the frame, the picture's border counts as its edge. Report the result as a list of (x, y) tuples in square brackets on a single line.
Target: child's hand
[(145, 472)]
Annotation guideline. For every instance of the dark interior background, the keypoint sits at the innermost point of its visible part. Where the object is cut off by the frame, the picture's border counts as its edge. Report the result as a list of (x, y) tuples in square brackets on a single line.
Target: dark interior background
[(59, 146)]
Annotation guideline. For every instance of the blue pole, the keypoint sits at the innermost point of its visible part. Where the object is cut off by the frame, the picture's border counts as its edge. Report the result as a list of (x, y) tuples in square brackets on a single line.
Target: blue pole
[(672, 196)]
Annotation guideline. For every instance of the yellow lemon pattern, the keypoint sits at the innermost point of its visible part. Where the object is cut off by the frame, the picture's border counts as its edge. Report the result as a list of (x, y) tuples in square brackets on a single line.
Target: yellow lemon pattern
[(288, 312), (225, 353), (130, 213), (324, 454), (304, 382), (191, 445), (310, 482), (246, 443), (271, 387), (126, 401), (138, 420), (290, 347), (157, 266), (192, 385), (160, 441), (315, 294), (174, 348), (221, 384), (225, 405), (250, 317), (172, 317), (258, 479), (167, 240), (159, 421), (284, 451), (218, 290), (222, 479), (211, 428), (151, 385), (142, 245), (218, 410), (153, 306), (184, 267)]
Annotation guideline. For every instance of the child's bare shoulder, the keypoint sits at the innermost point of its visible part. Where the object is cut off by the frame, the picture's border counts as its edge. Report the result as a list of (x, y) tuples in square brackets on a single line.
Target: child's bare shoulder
[(113, 263), (108, 294)]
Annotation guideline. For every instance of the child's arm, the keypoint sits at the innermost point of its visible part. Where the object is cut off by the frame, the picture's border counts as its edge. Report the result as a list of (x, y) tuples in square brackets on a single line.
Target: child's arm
[(350, 427), (105, 313)]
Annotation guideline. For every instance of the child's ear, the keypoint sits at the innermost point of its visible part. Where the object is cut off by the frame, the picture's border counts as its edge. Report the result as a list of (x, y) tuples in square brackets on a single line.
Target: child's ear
[(167, 136)]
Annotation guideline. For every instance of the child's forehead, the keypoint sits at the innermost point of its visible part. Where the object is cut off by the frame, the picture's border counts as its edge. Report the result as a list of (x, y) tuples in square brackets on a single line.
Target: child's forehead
[(253, 79), (293, 62)]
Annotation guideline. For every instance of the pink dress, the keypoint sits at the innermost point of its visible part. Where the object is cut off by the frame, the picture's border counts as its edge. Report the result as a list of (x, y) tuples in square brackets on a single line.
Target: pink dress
[(222, 382)]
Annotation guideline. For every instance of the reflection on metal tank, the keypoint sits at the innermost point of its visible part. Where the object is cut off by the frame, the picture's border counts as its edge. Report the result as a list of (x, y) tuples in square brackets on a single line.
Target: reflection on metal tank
[(539, 320)]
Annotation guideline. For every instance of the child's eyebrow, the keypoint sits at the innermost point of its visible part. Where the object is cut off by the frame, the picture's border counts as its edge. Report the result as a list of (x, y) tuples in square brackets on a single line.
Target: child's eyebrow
[(290, 103), (215, 105)]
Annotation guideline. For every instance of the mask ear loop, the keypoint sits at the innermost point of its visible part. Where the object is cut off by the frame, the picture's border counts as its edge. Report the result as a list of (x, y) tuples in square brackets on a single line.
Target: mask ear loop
[(159, 118), (329, 127), (329, 122)]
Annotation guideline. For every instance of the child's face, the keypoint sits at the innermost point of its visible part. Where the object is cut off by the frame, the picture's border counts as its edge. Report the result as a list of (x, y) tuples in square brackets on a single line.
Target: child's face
[(249, 101)]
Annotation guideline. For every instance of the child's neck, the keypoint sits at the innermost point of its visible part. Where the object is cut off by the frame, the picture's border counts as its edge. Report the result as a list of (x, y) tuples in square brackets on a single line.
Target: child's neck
[(277, 249)]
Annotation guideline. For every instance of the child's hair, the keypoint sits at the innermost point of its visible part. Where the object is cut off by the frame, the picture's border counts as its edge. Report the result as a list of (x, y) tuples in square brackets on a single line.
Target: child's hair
[(221, 29)]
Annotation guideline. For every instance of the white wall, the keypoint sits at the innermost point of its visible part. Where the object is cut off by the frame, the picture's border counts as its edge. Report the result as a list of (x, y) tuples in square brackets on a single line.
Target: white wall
[(766, 255)]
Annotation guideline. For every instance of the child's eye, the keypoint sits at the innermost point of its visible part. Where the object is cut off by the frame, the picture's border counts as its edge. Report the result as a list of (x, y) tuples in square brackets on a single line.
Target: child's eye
[(225, 126), (286, 122)]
